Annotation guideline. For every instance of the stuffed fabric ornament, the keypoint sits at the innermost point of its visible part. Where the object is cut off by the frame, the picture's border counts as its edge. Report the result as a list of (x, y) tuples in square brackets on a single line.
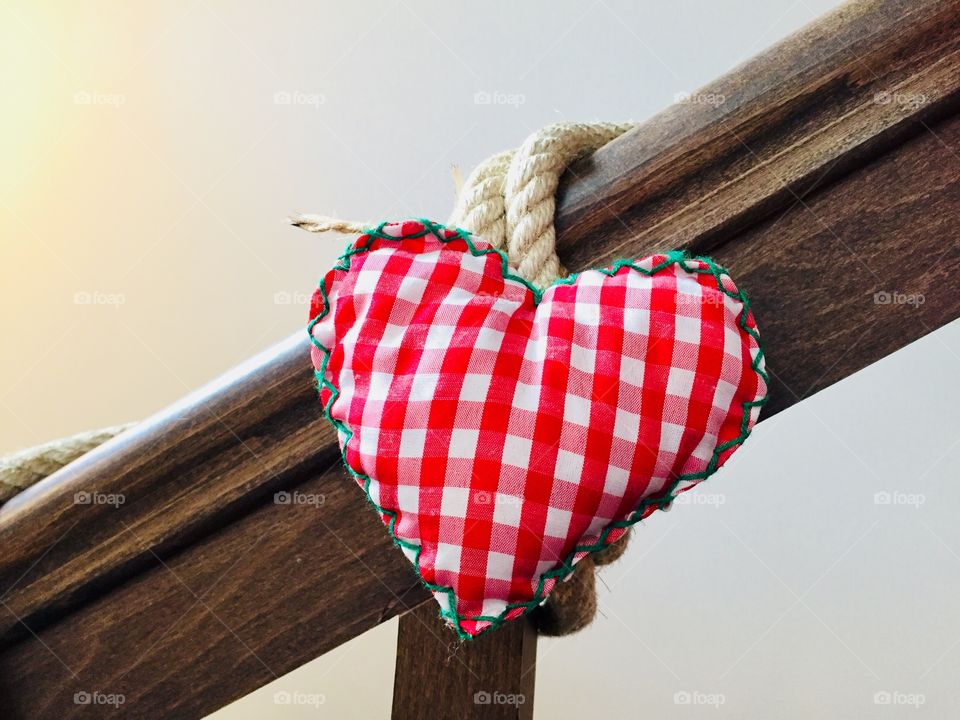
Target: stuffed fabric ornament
[(504, 432)]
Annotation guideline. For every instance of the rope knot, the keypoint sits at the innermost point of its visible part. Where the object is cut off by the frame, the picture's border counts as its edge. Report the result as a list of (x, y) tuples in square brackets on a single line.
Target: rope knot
[(510, 199)]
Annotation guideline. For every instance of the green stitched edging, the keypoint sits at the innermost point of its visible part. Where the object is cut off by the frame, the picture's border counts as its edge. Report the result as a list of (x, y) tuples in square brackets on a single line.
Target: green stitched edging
[(566, 567)]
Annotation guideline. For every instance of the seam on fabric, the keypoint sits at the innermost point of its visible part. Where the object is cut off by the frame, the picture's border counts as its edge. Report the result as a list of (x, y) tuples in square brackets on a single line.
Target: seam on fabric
[(564, 568)]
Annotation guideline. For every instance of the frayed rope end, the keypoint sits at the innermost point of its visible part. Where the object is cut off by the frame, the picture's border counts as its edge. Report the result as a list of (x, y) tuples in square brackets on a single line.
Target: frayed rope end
[(325, 223)]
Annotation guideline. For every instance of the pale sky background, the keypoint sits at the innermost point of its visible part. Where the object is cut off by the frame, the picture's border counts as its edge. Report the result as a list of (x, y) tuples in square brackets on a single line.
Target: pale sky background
[(148, 163)]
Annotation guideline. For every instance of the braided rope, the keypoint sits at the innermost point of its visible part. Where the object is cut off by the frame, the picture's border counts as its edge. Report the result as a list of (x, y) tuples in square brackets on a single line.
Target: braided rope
[(481, 206), (325, 223), (510, 199), (22, 469)]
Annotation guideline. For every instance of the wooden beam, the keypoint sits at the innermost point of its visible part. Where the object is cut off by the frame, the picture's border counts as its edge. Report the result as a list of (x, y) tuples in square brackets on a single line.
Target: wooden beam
[(202, 627), (197, 570), (209, 458), (490, 678), (810, 109)]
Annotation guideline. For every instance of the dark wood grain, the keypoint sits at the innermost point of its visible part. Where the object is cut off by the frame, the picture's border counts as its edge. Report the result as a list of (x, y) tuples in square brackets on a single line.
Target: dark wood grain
[(202, 627), (858, 270), (197, 464), (103, 597), (807, 110), (490, 678)]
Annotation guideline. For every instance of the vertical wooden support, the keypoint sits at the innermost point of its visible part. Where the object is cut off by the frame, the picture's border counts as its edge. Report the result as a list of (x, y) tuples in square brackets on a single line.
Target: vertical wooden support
[(439, 676)]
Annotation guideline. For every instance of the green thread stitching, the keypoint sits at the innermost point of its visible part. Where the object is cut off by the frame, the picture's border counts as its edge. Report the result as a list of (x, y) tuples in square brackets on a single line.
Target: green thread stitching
[(675, 257)]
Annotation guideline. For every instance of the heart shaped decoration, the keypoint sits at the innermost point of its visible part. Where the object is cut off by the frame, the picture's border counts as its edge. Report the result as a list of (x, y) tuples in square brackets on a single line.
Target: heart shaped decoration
[(502, 431)]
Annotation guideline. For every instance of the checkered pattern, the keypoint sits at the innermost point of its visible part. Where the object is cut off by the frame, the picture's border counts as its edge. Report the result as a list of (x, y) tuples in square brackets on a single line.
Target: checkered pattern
[(503, 438)]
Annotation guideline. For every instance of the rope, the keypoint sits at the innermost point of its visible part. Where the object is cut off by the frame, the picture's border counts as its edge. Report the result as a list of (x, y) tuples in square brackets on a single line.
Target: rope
[(22, 469), (325, 223), (509, 201)]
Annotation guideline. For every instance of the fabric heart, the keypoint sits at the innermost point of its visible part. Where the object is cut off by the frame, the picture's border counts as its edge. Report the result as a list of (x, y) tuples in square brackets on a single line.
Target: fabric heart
[(503, 432)]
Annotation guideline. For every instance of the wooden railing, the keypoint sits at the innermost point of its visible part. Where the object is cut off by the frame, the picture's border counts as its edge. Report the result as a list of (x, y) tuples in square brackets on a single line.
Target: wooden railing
[(823, 173)]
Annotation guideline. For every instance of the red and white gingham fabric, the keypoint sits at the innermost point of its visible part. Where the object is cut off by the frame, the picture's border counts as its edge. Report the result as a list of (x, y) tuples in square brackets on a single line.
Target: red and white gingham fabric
[(502, 438)]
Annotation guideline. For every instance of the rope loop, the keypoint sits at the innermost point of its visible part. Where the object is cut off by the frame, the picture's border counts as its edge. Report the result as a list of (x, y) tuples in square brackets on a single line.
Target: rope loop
[(509, 200)]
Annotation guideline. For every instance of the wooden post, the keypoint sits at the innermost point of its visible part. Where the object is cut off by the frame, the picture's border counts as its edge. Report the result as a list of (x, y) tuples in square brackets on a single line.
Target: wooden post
[(490, 678)]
